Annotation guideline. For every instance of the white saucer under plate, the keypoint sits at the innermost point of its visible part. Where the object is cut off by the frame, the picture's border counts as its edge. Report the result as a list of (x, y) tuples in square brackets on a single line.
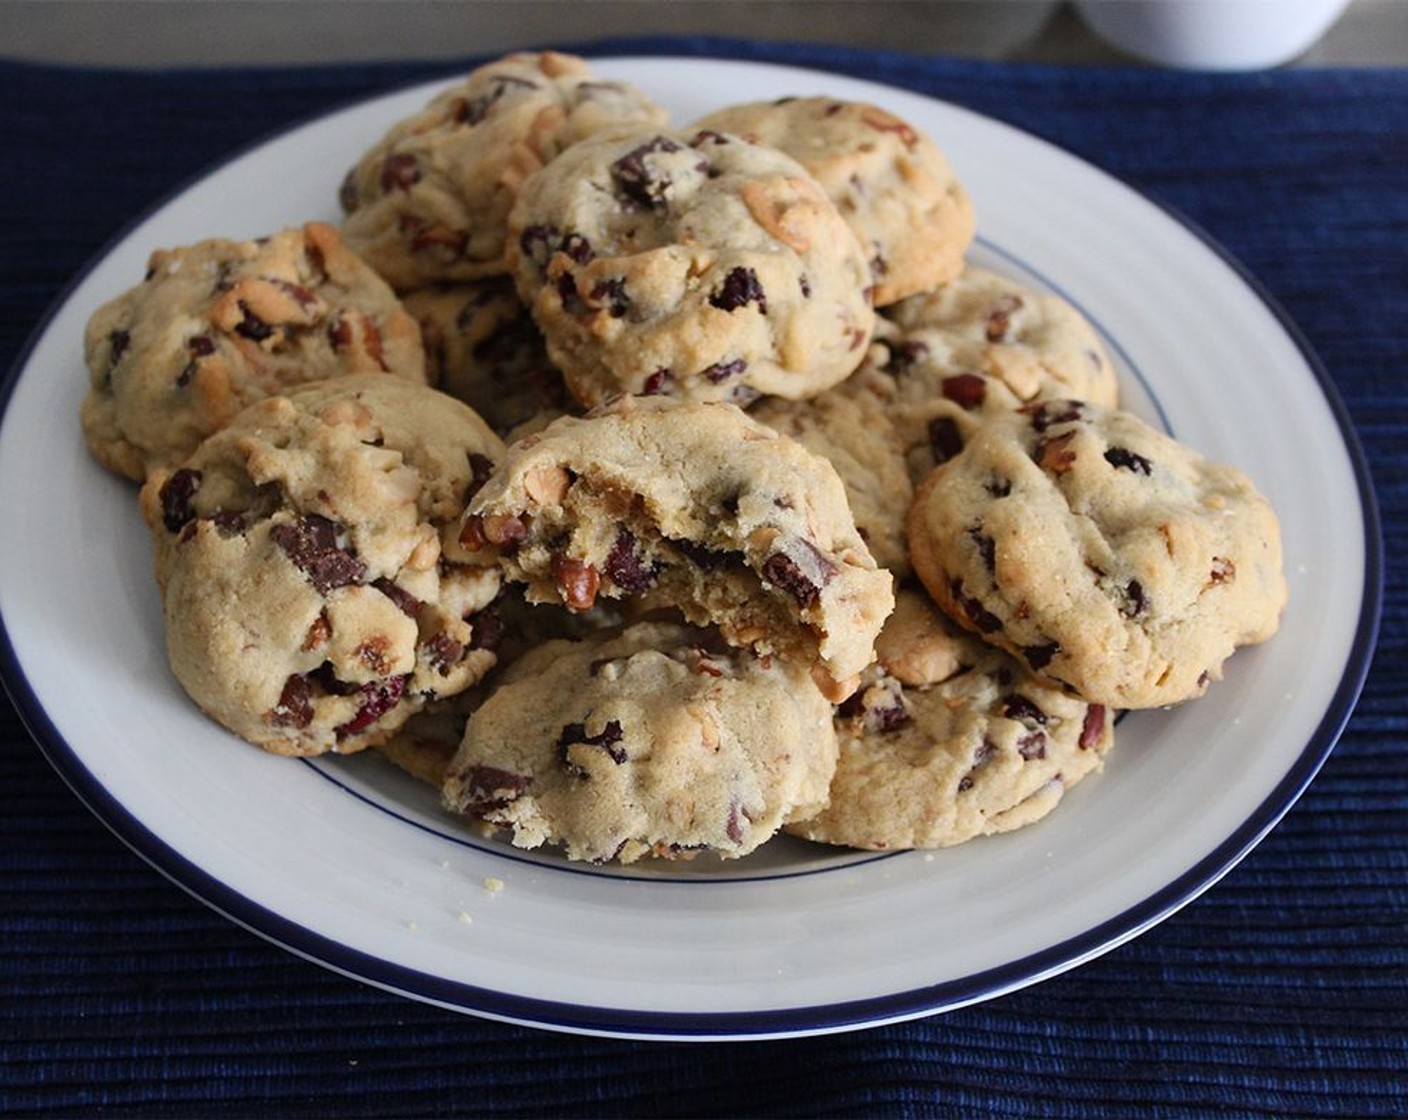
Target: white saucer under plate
[(353, 865)]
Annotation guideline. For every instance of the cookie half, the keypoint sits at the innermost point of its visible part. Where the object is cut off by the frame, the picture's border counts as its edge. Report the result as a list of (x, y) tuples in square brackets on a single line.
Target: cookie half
[(690, 506)]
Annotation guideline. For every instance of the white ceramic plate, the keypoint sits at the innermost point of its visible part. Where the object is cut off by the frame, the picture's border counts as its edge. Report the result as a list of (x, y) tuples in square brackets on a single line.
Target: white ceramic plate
[(354, 866)]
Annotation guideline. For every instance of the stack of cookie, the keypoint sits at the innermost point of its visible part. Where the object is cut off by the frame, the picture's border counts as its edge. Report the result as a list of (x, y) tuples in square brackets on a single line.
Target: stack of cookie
[(653, 491)]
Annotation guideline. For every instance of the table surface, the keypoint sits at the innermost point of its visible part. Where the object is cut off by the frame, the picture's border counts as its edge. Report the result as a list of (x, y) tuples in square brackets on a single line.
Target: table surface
[(1282, 991)]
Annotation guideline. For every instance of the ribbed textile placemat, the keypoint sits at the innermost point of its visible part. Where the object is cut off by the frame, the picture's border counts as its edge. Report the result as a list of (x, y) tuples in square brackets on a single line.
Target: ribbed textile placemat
[(1282, 991)]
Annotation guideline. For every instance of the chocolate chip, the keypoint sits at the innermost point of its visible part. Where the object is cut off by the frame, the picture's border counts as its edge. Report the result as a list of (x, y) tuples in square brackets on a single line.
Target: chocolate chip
[(118, 342), (1135, 602), (251, 326), (612, 293), (1131, 461), (486, 629), (945, 440), (1047, 413), (739, 288), (1019, 707), (486, 788), (983, 619), (986, 546), (608, 739), (201, 346), (311, 543), (405, 602), (295, 706), (175, 495), (637, 183), (1040, 656)]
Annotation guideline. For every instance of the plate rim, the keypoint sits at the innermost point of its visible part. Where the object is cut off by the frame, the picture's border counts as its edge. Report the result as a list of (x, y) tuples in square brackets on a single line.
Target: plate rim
[(815, 1019)]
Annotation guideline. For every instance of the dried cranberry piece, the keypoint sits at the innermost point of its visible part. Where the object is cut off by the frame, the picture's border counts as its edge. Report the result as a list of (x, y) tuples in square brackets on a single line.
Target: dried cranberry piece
[(739, 288), (311, 543), (636, 182), (1092, 728), (295, 706), (624, 566), (487, 788), (399, 171), (377, 698), (722, 371), (1000, 318), (658, 383), (1033, 746), (967, 390), (176, 494), (784, 572), (1130, 460)]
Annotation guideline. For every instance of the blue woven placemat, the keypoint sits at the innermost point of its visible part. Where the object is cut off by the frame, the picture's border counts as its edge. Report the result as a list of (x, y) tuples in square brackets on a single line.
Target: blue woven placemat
[(1282, 991)]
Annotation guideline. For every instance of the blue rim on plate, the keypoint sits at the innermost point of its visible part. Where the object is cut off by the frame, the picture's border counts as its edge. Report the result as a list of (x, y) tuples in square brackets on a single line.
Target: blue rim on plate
[(893, 1007)]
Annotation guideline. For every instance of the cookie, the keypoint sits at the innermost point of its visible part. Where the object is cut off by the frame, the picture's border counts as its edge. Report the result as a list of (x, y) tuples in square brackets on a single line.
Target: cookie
[(658, 741), (220, 324), (1110, 558), (855, 434), (984, 749), (482, 347), (690, 506), (890, 182), (313, 590), (697, 266), (979, 345), (430, 201)]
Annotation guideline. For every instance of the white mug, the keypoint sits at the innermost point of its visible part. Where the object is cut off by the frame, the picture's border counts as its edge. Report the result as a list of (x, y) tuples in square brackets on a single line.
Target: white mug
[(1212, 34)]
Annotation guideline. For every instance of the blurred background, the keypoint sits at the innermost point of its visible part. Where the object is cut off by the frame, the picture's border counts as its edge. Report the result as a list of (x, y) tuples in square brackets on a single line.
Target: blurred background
[(156, 34)]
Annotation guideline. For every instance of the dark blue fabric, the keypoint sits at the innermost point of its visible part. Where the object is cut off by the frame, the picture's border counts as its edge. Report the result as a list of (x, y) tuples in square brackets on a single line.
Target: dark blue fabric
[(1283, 991)]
